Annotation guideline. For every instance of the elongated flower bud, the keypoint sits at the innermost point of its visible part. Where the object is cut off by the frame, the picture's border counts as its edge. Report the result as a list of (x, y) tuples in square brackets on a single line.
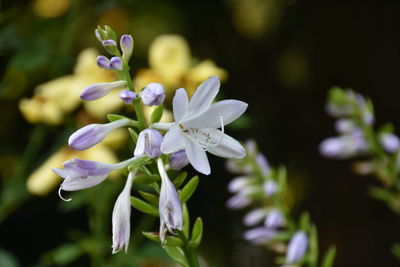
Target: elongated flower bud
[(109, 43), (127, 96), (153, 94), (98, 90), (297, 247), (255, 216), (390, 142), (270, 188), (149, 143), (121, 225), (238, 183), (262, 162), (178, 160), (126, 44), (116, 63), (238, 201), (259, 235), (92, 134), (170, 207), (103, 62), (274, 219)]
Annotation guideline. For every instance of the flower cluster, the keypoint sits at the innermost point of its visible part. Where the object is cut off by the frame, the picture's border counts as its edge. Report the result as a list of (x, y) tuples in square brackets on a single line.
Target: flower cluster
[(158, 147), (380, 148), (262, 188)]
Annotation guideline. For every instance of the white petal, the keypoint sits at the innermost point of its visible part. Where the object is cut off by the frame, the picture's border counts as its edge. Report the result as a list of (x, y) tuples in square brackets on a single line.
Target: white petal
[(197, 157), (227, 147), (229, 110), (79, 183), (204, 95), (173, 141), (140, 146), (180, 104)]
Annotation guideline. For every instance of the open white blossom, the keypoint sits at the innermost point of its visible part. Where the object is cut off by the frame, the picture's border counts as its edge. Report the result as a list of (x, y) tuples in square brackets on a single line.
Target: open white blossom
[(196, 126)]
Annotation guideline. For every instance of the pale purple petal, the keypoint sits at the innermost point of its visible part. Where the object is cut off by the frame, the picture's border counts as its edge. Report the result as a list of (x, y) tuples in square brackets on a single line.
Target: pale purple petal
[(238, 201), (238, 183), (98, 90), (103, 62), (116, 63), (109, 43), (270, 188), (173, 141), (149, 143), (126, 44), (262, 162), (227, 146), (121, 225), (180, 104), (127, 96), (274, 219), (227, 110), (390, 142), (259, 235), (178, 160), (204, 95), (255, 217), (297, 247), (153, 94), (197, 156)]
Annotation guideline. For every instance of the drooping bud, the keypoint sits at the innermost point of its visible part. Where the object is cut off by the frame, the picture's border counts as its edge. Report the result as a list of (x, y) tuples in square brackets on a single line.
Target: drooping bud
[(149, 143), (297, 247), (116, 63), (98, 90), (127, 96), (92, 134), (255, 216), (153, 94), (390, 142), (178, 160), (103, 62), (270, 188), (170, 207), (259, 235), (274, 219), (126, 44)]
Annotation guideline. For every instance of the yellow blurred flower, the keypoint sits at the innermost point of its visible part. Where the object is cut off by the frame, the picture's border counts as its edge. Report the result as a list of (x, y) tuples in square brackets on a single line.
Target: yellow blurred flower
[(166, 116), (170, 65), (43, 179), (50, 8), (54, 99)]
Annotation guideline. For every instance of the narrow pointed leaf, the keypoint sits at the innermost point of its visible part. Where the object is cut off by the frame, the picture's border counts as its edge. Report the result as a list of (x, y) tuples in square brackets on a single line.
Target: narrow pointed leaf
[(189, 189), (152, 199), (329, 257), (146, 179), (177, 254), (186, 220), (178, 181), (197, 233), (144, 206), (313, 254), (171, 240), (305, 222), (157, 114), (133, 135), (115, 117)]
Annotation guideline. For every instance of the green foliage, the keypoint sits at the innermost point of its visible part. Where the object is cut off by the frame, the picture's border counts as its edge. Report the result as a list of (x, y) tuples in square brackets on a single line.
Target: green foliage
[(189, 189), (144, 206)]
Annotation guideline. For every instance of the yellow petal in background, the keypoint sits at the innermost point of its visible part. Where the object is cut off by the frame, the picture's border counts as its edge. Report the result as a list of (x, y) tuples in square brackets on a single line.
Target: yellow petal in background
[(50, 8), (101, 107)]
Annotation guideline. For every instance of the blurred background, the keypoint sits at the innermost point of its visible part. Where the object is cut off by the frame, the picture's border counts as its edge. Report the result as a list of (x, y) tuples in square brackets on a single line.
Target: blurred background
[(280, 56)]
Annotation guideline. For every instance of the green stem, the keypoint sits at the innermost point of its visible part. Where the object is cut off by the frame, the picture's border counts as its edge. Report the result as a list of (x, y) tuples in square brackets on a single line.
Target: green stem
[(190, 252), (139, 114)]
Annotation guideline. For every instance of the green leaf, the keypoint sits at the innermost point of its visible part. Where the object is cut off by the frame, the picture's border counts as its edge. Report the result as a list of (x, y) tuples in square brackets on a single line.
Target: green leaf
[(305, 222), (170, 240), (281, 177), (65, 254), (115, 117), (110, 33), (178, 181), (152, 199), (189, 189), (137, 163), (186, 220), (146, 179), (157, 114), (313, 255), (144, 206), (133, 135), (329, 257), (197, 233), (381, 194), (177, 254)]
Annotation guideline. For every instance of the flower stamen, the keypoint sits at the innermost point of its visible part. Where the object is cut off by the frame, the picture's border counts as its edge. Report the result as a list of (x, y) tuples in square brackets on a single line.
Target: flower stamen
[(65, 199)]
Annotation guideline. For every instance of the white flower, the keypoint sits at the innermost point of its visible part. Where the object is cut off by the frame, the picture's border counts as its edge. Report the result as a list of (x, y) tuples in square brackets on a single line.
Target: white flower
[(196, 126)]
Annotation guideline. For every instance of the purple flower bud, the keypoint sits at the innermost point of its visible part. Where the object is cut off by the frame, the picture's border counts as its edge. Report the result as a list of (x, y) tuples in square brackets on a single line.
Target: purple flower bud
[(178, 160), (254, 217), (126, 44), (259, 235), (251, 147), (262, 162), (109, 43), (127, 96), (237, 202), (274, 219), (103, 62), (170, 207), (344, 126), (237, 166), (270, 188), (92, 134), (116, 63), (297, 247), (98, 36), (149, 143), (121, 216), (237, 184), (390, 142), (344, 146), (153, 94), (98, 90)]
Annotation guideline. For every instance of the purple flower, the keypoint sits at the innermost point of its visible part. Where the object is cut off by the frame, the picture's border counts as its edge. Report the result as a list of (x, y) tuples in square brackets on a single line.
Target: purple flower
[(390, 142), (238, 201), (153, 94), (237, 166), (127, 96), (238, 183), (170, 207), (344, 146), (149, 143), (126, 44), (345, 126), (92, 134), (121, 225), (109, 43), (270, 188), (274, 219), (115, 63), (98, 90), (178, 160), (297, 247), (259, 235), (255, 216)]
